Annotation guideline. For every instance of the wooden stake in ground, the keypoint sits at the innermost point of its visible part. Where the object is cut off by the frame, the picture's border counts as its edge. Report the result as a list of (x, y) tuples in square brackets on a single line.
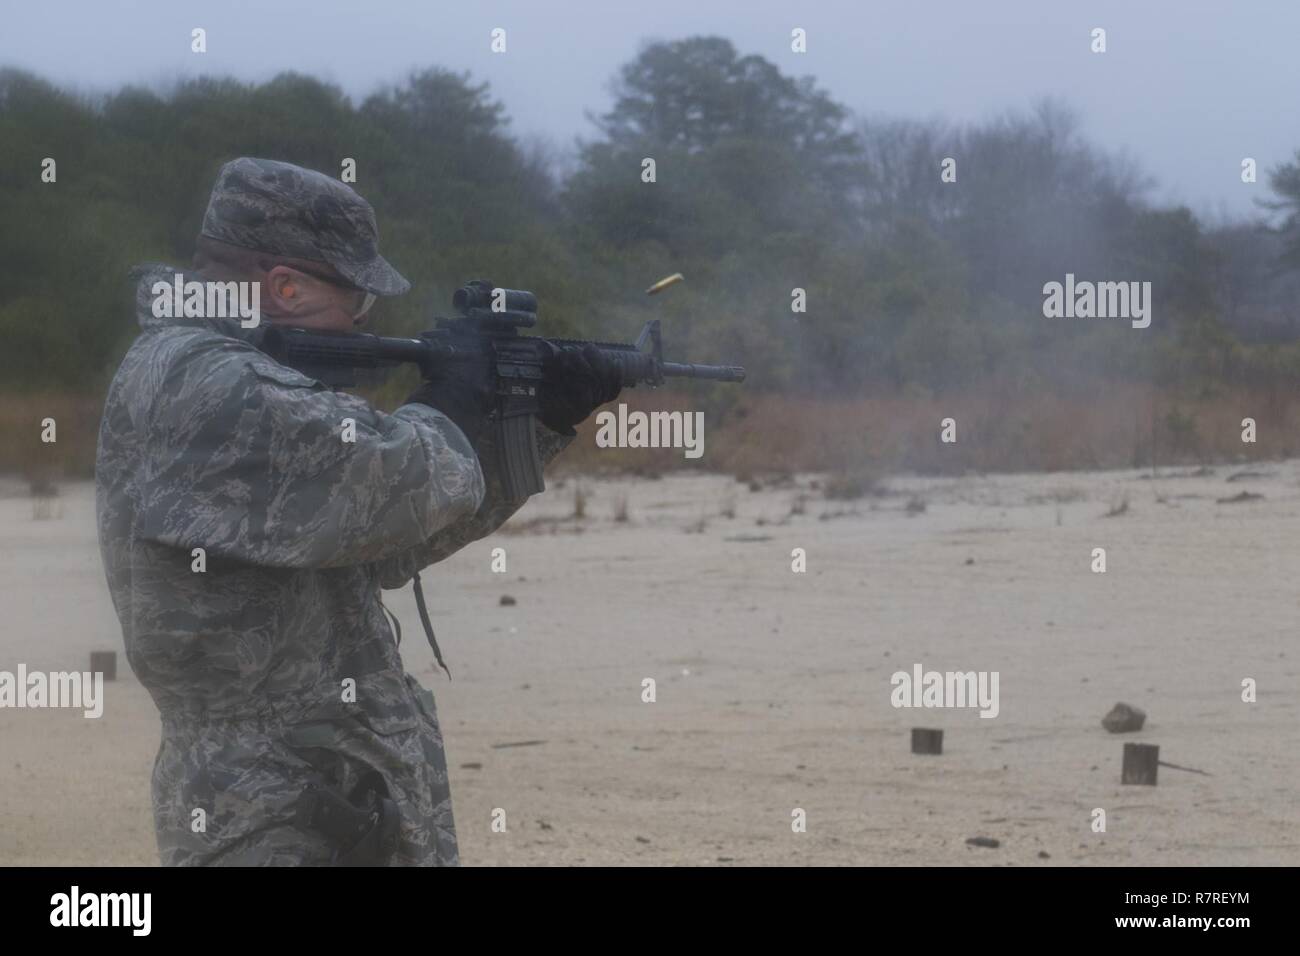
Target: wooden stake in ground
[(1140, 763), (927, 741), (105, 661)]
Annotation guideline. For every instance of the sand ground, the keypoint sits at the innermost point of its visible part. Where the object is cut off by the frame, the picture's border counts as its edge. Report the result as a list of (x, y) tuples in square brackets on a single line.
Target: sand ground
[(773, 687)]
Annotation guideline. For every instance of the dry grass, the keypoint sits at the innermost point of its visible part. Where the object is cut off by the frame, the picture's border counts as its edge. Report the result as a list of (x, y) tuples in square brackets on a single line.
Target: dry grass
[(71, 455), (850, 486), (764, 436), (857, 441)]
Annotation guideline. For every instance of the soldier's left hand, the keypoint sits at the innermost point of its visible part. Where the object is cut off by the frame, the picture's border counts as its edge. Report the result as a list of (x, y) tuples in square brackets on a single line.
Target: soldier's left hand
[(576, 383)]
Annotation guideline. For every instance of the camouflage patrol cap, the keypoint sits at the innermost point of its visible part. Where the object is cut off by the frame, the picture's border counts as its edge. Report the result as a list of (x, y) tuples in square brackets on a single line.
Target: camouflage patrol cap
[(285, 210)]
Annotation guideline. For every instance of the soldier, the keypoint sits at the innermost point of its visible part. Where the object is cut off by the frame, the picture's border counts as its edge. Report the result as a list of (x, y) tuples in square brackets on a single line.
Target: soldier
[(291, 733)]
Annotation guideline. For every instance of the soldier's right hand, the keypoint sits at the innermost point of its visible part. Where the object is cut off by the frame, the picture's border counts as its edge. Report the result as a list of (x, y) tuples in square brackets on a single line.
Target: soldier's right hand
[(464, 392)]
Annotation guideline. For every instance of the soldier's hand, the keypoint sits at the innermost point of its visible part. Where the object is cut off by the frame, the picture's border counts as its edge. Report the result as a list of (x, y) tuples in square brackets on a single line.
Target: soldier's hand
[(575, 384), (464, 392)]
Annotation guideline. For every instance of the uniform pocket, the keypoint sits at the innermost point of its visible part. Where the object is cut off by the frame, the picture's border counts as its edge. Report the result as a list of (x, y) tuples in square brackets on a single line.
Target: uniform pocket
[(384, 704)]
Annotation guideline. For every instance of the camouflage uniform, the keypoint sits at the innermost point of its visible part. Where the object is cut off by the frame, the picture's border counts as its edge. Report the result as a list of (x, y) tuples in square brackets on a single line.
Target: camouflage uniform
[(208, 443)]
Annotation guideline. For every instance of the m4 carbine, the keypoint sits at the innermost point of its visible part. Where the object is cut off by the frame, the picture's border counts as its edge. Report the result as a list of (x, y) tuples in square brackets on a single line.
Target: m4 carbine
[(487, 328)]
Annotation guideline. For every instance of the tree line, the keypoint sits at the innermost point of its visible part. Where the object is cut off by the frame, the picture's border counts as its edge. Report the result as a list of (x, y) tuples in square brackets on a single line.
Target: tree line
[(911, 280)]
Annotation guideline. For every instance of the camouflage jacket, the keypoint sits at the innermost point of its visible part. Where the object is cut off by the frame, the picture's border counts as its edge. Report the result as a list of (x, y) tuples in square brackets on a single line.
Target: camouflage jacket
[(208, 443)]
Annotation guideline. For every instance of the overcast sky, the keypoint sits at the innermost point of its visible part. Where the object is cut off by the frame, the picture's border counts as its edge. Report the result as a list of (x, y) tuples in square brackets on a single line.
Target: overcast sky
[(1187, 87)]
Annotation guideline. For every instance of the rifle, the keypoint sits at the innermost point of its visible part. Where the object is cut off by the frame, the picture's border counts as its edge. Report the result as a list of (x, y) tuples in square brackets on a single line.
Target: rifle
[(487, 327)]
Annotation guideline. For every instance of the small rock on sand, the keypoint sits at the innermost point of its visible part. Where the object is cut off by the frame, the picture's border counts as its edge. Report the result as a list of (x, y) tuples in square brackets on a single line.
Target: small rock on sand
[(1124, 719)]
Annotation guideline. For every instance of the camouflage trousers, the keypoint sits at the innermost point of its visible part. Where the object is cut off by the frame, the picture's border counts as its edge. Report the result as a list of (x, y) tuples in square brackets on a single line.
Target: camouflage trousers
[(227, 790)]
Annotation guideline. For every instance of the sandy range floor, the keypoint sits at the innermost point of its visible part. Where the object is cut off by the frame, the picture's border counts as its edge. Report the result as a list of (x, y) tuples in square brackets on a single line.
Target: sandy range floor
[(773, 687)]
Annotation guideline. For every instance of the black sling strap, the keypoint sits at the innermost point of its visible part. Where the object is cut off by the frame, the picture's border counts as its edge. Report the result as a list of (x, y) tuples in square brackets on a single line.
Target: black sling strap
[(428, 625), (397, 625), (424, 619)]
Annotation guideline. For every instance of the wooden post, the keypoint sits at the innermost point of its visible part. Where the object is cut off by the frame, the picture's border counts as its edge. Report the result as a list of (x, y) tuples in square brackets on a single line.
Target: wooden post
[(1140, 763), (105, 661), (927, 741)]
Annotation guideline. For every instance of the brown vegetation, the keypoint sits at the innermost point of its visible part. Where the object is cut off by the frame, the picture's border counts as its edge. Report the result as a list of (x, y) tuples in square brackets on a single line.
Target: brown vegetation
[(1120, 426), (1117, 426)]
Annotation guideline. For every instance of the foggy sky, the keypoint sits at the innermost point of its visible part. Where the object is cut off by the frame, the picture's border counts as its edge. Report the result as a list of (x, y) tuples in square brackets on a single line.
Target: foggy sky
[(1187, 88)]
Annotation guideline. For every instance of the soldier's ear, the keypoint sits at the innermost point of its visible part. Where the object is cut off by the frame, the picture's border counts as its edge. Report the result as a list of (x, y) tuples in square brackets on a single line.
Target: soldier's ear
[(281, 288)]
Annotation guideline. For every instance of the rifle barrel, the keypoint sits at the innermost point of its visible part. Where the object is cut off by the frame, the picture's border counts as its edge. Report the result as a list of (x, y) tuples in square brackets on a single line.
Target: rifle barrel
[(717, 373)]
